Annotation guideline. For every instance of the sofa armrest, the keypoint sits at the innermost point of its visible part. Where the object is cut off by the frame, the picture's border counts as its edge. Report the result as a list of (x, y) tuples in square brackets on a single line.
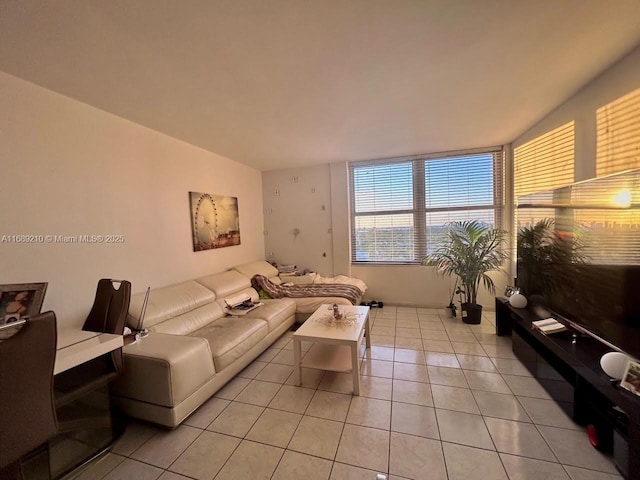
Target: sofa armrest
[(164, 369)]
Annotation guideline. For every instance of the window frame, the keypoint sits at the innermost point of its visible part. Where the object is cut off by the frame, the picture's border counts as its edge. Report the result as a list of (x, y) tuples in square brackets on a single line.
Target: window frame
[(420, 210)]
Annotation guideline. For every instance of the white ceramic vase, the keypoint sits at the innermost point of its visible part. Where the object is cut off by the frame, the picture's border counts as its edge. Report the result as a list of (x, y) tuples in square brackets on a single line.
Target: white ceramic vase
[(517, 300), (614, 364)]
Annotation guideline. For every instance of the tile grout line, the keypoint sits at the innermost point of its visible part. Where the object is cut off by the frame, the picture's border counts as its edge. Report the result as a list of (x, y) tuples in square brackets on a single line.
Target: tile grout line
[(477, 334)]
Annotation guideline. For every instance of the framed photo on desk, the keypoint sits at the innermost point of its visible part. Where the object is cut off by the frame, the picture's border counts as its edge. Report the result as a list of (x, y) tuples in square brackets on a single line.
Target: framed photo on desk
[(19, 300)]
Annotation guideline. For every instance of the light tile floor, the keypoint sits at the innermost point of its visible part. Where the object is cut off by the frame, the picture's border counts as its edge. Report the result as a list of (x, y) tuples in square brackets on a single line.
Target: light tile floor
[(440, 400)]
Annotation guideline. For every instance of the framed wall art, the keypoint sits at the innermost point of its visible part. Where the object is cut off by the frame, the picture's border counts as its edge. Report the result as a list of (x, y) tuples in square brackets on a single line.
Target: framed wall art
[(214, 221), (19, 300)]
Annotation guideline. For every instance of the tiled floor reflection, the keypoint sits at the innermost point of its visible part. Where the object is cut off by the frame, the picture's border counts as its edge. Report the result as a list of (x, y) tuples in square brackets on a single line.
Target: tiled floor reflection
[(439, 400)]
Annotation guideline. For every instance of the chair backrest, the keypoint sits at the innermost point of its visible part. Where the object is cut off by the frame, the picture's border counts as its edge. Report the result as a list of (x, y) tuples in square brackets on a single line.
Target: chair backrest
[(109, 311), (27, 411)]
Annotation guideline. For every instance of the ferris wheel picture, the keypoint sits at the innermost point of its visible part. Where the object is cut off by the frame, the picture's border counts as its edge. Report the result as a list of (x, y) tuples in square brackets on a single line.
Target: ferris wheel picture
[(214, 221)]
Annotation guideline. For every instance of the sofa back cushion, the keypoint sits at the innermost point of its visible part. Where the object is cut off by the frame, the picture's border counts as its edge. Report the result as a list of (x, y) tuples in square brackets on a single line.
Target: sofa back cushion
[(185, 306), (191, 321), (227, 284), (259, 268)]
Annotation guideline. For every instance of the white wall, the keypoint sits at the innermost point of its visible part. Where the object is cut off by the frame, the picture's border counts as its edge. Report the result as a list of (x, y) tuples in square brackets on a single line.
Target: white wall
[(340, 225), (620, 79), (418, 286), (71, 169), (299, 198)]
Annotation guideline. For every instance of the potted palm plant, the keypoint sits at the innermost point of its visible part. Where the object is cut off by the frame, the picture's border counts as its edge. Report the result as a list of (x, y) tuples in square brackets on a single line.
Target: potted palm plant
[(472, 250)]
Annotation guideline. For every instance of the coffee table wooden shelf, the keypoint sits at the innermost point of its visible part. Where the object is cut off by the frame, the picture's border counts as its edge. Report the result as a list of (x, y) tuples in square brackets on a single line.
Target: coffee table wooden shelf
[(335, 358), (336, 345)]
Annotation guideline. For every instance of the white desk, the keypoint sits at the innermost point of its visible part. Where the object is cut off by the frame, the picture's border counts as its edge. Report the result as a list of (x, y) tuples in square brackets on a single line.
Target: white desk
[(77, 346)]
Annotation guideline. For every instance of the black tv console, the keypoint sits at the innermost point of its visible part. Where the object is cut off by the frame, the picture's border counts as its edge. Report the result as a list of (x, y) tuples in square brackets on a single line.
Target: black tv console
[(567, 364)]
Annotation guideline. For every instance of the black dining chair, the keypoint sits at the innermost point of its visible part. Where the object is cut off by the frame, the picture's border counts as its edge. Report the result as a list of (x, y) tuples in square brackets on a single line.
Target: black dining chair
[(109, 311), (107, 315), (27, 409)]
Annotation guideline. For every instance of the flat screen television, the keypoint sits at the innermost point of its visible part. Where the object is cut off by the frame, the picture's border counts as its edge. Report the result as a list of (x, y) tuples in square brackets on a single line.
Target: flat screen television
[(579, 256)]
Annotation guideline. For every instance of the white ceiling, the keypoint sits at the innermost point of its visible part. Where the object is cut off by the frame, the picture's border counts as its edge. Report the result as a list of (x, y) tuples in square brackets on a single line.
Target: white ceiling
[(283, 83)]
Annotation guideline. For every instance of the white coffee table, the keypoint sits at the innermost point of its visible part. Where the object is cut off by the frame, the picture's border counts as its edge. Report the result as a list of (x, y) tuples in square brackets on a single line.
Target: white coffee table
[(336, 344)]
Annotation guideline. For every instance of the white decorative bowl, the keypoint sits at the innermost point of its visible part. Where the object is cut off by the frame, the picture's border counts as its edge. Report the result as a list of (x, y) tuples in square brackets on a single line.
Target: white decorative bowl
[(517, 300)]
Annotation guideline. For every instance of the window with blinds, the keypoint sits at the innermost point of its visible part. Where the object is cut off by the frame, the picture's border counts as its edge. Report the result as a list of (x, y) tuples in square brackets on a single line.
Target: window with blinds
[(400, 207), (618, 135)]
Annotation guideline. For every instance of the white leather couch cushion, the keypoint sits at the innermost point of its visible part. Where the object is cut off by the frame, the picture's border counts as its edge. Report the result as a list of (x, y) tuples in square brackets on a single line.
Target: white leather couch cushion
[(275, 312), (191, 321), (225, 284), (169, 302), (165, 369), (231, 337), (257, 268)]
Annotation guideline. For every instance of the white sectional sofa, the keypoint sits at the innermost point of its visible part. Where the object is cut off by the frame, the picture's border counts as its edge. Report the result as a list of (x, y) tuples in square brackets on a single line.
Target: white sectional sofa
[(193, 349)]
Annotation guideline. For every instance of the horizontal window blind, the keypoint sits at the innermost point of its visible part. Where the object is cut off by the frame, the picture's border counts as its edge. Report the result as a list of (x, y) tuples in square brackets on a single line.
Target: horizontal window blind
[(384, 197), (545, 162), (618, 135), (459, 181), (400, 207), (458, 189), (384, 188)]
